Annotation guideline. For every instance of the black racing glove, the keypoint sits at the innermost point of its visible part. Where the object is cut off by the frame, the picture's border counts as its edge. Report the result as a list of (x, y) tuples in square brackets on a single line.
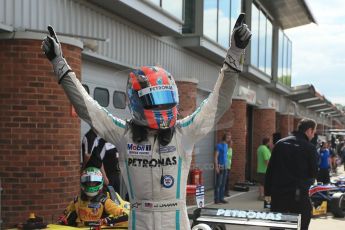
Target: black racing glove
[(240, 38), (52, 49)]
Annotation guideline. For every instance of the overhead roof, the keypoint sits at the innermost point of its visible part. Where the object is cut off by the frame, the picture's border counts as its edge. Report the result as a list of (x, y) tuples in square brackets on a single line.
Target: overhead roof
[(289, 13), (307, 96), (5, 28), (146, 14)]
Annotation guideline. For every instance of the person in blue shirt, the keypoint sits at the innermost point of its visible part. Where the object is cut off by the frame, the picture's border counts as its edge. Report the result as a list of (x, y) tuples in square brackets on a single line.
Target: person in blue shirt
[(324, 164), (220, 164)]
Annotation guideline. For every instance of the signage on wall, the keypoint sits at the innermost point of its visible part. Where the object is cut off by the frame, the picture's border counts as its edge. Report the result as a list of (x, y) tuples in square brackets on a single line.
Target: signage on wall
[(248, 94), (273, 103)]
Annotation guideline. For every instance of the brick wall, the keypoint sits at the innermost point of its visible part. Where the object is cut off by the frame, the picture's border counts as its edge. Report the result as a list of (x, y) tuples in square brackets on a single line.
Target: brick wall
[(187, 105), (236, 118), (278, 122), (296, 120), (39, 140), (187, 97), (264, 125), (286, 124), (320, 129)]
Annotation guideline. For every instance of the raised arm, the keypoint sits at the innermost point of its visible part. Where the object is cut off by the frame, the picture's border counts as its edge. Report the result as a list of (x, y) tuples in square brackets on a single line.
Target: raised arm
[(205, 117), (106, 125)]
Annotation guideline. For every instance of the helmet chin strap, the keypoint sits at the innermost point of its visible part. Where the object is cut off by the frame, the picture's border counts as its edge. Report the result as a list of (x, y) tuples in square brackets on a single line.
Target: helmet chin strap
[(165, 135), (140, 133)]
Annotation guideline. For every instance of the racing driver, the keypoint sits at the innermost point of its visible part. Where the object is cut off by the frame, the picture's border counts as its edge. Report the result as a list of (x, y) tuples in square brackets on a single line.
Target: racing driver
[(155, 149)]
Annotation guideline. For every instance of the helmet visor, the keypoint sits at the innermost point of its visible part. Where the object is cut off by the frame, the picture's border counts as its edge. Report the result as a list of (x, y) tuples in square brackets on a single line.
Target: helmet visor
[(154, 97), (90, 178)]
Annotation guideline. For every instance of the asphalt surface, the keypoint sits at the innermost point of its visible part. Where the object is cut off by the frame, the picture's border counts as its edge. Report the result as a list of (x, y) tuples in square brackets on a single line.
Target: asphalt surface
[(249, 201)]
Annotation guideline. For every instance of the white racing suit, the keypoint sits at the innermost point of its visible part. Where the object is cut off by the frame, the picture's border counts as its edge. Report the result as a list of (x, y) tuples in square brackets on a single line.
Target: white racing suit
[(155, 203)]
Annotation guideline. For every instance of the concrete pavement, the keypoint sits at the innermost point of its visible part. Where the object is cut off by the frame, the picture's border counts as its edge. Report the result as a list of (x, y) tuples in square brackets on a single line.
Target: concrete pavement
[(249, 201)]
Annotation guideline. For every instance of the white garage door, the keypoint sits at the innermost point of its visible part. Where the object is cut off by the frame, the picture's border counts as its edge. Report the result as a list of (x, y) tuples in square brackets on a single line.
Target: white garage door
[(204, 150), (104, 81)]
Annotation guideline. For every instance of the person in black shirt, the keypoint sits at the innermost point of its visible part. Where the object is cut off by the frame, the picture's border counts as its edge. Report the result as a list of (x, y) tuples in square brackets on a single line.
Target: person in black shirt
[(86, 146), (292, 169)]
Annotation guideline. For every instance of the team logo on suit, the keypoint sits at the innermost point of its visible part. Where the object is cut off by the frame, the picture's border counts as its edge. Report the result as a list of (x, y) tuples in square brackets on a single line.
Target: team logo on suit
[(168, 181)]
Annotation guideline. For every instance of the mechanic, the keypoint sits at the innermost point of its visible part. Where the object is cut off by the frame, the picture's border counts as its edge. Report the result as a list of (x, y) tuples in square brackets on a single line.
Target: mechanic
[(291, 171), (86, 147), (155, 149), (93, 204)]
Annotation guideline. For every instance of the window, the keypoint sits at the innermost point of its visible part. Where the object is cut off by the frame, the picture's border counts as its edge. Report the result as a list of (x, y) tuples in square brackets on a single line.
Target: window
[(174, 7), (235, 11), (261, 42), (254, 59), (101, 95), (86, 88), (156, 2), (269, 39), (210, 19), (219, 18), (119, 100), (284, 59), (224, 22)]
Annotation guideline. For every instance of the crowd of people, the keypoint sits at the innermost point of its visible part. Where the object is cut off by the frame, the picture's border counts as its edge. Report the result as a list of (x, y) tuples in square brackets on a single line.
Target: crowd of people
[(285, 169), (330, 156)]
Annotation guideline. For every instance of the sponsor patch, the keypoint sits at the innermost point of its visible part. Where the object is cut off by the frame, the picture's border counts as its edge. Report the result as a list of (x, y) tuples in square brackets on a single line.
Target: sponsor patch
[(148, 205), (139, 149), (164, 124), (94, 205), (159, 81), (249, 214), (168, 181), (167, 149), (135, 205), (148, 90), (138, 162)]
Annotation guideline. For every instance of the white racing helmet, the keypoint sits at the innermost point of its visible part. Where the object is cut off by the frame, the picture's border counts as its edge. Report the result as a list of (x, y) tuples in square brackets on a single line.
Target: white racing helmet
[(91, 181)]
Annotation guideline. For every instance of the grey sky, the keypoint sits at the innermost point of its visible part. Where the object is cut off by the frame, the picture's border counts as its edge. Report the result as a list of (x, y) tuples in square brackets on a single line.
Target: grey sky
[(319, 50)]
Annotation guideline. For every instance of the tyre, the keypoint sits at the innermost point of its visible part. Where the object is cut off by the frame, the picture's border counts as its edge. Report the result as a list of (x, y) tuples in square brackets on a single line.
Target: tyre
[(217, 226), (213, 226), (201, 227), (337, 205)]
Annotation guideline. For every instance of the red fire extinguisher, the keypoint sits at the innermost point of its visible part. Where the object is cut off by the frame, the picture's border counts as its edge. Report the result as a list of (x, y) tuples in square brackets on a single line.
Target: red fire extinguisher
[(196, 176)]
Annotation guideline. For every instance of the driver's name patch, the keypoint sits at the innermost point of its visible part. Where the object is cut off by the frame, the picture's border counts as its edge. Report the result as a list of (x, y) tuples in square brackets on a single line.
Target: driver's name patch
[(139, 149)]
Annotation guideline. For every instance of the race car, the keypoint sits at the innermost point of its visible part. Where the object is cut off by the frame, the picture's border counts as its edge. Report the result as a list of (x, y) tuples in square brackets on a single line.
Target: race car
[(218, 218), (333, 194), (36, 222)]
